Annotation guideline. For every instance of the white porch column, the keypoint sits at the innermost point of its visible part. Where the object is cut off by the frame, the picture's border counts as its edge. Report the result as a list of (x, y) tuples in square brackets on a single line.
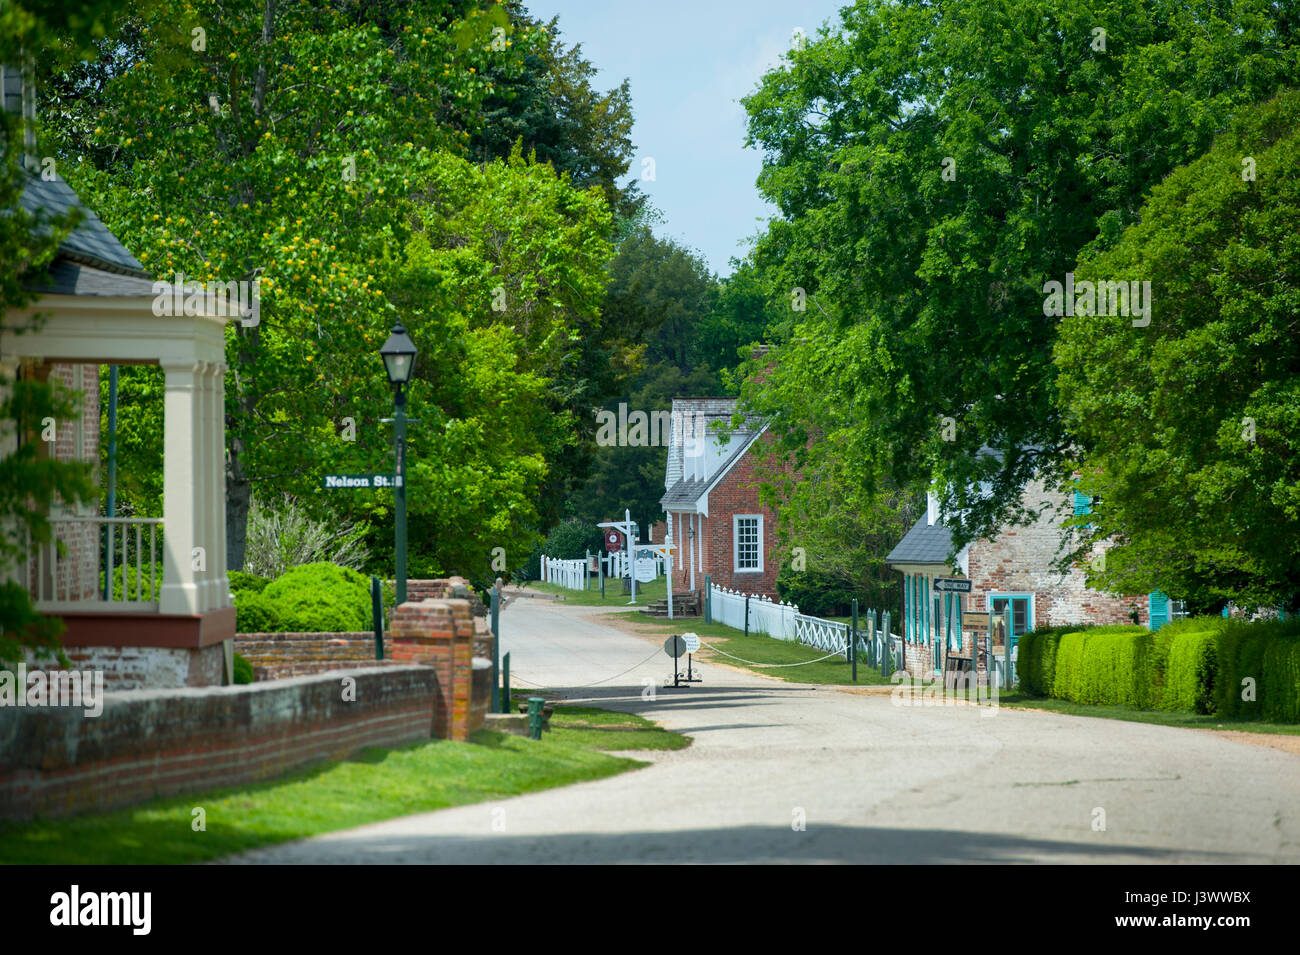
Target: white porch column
[(694, 542), (182, 501), (203, 489), (217, 503)]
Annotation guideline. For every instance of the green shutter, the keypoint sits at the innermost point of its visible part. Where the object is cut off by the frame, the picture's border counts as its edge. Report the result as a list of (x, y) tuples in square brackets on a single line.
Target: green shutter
[(1158, 603)]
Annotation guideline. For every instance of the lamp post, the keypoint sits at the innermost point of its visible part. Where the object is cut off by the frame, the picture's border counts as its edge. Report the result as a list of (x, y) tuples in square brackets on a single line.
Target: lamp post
[(398, 354)]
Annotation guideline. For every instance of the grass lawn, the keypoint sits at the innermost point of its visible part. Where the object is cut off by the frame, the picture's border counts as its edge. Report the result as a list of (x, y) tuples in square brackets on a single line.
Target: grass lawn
[(1158, 717), (373, 785), (614, 597), (760, 649)]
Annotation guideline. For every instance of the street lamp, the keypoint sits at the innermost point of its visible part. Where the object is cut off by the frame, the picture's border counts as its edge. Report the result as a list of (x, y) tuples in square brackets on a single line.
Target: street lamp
[(398, 354)]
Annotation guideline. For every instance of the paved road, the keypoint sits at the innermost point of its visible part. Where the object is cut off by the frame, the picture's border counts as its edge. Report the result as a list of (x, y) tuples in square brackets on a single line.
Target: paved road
[(874, 782)]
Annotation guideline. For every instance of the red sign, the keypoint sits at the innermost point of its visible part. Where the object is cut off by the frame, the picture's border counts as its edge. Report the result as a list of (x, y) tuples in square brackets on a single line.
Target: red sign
[(613, 541)]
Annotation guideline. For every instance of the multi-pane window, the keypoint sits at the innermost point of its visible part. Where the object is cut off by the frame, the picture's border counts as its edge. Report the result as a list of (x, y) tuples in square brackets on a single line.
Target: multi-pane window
[(749, 541), (1019, 612)]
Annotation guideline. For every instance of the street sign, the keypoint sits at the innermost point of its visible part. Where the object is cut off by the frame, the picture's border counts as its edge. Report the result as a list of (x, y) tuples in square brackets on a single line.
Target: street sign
[(975, 620), (952, 585), (675, 647), (692, 642), (613, 541), (360, 481)]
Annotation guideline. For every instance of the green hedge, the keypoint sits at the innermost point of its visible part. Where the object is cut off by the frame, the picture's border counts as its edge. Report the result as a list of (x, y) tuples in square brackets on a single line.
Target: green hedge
[(256, 613), (1112, 665), (1036, 659), (1196, 665), (1268, 655)]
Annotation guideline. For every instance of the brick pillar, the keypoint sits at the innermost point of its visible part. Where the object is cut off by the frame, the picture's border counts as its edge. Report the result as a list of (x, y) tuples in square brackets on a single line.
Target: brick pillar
[(439, 634)]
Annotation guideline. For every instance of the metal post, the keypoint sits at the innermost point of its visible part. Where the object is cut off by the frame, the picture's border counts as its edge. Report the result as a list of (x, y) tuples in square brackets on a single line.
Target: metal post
[(496, 645), (631, 556), (708, 599), (535, 717), (586, 569), (377, 610), (110, 510), (853, 641), (1006, 667), (886, 657), (505, 684), (746, 614), (399, 452), (600, 565)]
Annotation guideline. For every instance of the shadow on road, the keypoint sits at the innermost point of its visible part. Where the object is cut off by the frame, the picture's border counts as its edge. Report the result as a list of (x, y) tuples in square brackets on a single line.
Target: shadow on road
[(746, 844)]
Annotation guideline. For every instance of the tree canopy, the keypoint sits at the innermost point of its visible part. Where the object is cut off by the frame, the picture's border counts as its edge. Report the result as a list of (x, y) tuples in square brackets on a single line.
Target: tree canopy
[(934, 166), (1187, 422)]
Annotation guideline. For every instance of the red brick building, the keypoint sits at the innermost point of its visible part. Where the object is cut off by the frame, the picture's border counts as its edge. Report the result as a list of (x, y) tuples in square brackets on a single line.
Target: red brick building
[(718, 526), (1012, 570)]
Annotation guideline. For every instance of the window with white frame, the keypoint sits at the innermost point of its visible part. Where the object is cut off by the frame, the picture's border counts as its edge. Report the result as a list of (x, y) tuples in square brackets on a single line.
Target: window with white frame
[(747, 532)]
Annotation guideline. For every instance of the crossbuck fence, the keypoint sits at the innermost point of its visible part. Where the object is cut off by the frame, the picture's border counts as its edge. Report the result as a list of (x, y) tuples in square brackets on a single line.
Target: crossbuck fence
[(567, 573), (784, 622)]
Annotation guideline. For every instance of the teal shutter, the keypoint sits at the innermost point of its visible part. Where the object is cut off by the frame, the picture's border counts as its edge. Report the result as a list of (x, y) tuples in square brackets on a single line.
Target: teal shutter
[(1082, 503), (907, 608), (1159, 608)]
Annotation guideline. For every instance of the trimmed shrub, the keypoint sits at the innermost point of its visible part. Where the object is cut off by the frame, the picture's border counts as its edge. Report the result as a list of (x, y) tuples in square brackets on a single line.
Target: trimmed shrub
[(1036, 659), (241, 582), (321, 598), (1268, 653), (1190, 672), (256, 613), (1116, 665), (243, 670)]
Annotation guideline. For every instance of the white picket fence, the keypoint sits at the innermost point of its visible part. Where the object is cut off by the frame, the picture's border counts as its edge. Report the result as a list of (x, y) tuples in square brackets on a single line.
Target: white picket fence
[(783, 621), (566, 573)]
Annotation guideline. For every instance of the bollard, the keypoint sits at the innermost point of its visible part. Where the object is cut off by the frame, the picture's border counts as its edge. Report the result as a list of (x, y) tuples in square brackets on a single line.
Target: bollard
[(495, 598), (376, 609), (535, 717), (505, 684)]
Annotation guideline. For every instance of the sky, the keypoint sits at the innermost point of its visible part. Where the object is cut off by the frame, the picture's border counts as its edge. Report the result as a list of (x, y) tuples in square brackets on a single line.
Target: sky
[(689, 65)]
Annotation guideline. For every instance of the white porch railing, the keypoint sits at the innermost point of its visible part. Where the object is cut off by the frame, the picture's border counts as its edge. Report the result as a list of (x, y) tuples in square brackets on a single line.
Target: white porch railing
[(105, 562), (567, 573)]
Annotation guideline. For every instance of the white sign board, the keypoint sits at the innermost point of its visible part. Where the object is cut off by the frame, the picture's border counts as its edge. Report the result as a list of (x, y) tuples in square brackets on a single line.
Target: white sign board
[(692, 642), (645, 570)]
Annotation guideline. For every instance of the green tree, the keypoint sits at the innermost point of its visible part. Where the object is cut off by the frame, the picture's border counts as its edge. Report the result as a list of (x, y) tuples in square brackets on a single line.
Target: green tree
[(934, 165), (32, 482), (542, 99), (1188, 421), (313, 147)]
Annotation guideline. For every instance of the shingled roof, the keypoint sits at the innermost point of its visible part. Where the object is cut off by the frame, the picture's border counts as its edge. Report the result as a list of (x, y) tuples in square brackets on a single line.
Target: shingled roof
[(925, 543), (91, 260)]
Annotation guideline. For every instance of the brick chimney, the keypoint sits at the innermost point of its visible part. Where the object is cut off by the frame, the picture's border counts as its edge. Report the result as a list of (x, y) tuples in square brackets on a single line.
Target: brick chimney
[(18, 96)]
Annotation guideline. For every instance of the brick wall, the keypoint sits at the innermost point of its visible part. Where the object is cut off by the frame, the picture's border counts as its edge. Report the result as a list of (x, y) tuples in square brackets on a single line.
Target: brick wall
[(152, 743), (277, 655), (737, 493), (440, 634), (1019, 561), (135, 668)]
